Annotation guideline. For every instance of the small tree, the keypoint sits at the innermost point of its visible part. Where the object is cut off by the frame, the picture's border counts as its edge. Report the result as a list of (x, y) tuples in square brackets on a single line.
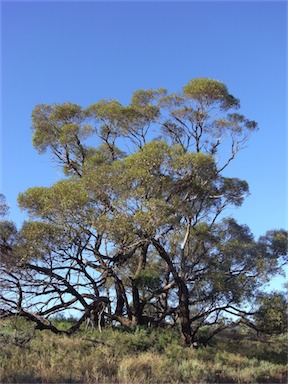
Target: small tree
[(272, 315)]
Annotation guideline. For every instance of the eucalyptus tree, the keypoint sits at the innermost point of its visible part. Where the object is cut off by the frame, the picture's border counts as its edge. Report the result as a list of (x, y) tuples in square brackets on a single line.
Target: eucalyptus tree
[(137, 216)]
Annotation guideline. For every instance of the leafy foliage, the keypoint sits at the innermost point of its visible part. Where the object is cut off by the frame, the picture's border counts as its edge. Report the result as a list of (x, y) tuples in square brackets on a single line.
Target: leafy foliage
[(272, 314)]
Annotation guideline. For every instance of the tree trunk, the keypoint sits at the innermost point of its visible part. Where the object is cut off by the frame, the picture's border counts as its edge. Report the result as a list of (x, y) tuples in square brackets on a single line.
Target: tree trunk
[(184, 314), (183, 295), (137, 307)]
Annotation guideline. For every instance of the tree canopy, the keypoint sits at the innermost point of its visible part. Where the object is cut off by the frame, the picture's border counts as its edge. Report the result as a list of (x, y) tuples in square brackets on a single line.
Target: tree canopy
[(137, 222)]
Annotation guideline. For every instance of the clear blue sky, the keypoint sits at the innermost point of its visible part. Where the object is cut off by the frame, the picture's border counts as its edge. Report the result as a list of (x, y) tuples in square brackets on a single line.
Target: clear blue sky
[(85, 51)]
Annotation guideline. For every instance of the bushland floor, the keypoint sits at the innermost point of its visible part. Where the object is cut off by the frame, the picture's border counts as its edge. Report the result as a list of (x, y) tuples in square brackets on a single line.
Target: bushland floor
[(142, 356)]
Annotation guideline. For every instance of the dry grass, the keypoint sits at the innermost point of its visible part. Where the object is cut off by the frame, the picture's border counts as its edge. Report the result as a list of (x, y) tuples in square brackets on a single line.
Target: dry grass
[(140, 357)]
